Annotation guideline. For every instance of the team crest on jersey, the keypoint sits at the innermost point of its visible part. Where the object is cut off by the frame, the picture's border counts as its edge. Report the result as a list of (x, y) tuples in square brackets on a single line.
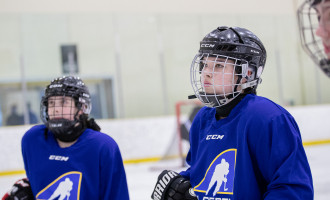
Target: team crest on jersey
[(219, 177), (66, 186)]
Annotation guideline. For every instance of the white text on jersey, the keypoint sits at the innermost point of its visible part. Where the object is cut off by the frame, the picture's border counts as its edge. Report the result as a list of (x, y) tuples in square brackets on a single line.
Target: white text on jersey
[(58, 158), (214, 137)]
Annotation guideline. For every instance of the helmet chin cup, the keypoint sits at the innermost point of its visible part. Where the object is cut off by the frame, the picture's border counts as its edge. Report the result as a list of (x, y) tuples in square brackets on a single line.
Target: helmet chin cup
[(211, 100), (65, 130)]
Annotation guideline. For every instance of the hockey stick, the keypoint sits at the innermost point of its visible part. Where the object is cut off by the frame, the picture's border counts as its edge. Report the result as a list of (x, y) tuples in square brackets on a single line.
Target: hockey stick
[(224, 186)]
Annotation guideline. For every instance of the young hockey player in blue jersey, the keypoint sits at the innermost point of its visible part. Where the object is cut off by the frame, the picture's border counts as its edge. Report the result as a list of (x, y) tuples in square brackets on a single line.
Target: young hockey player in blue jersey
[(242, 146), (316, 39), (68, 157)]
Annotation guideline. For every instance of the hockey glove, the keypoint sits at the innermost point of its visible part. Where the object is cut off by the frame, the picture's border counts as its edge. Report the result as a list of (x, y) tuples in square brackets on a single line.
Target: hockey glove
[(21, 190), (172, 186)]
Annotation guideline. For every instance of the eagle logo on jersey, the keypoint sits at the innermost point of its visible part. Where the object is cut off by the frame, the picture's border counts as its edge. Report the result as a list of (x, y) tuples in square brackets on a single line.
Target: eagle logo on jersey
[(66, 186), (219, 177)]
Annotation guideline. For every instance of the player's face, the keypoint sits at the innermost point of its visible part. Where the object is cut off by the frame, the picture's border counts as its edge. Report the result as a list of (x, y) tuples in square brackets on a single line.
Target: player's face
[(218, 76), (61, 107), (323, 30)]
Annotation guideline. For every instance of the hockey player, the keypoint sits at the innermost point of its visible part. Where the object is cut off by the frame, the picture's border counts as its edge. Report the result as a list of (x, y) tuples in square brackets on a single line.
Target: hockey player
[(316, 39), (258, 153), (68, 157)]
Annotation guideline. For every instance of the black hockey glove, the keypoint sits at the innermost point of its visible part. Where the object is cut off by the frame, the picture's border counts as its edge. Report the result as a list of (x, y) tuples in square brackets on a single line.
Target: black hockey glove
[(172, 186), (21, 190)]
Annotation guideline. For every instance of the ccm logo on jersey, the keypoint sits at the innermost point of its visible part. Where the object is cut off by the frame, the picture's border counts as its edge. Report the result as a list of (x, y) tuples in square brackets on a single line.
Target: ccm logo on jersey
[(214, 198), (58, 158), (214, 137)]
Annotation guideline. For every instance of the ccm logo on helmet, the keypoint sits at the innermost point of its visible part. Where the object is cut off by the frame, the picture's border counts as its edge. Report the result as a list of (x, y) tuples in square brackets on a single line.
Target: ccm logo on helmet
[(85, 95), (254, 51), (207, 45), (55, 85)]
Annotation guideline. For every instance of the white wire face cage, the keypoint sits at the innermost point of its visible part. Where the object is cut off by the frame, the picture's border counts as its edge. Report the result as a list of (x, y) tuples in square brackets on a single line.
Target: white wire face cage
[(218, 79), (308, 24)]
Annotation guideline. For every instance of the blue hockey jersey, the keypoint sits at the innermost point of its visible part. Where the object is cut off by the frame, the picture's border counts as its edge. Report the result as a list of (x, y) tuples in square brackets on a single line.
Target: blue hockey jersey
[(92, 168), (254, 153)]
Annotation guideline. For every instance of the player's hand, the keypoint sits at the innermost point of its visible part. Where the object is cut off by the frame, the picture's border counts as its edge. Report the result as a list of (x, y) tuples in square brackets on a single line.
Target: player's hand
[(21, 190), (172, 186)]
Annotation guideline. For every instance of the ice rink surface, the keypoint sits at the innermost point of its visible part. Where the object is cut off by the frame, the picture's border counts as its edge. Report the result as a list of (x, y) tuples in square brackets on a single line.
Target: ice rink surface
[(142, 177)]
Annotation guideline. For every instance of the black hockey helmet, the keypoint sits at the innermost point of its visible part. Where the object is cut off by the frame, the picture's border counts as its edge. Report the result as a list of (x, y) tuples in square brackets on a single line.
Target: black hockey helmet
[(67, 86), (235, 42), (241, 46)]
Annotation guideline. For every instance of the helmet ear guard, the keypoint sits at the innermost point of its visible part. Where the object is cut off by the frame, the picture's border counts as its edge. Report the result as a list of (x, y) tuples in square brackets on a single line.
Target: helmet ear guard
[(86, 108), (244, 70)]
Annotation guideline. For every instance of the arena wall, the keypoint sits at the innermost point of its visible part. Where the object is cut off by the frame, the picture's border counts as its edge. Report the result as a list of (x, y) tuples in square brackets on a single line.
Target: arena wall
[(143, 138)]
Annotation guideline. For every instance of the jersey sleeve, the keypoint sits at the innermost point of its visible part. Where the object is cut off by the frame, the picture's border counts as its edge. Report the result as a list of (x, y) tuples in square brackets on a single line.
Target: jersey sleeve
[(112, 174), (27, 142), (186, 173), (281, 159), (28, 145)]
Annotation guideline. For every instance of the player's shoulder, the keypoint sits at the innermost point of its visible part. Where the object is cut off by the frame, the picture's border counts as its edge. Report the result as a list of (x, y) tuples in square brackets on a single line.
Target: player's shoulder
[(35, 135), (99, 138), (205, 111), (35, 131), (262, 107), (100, 142)]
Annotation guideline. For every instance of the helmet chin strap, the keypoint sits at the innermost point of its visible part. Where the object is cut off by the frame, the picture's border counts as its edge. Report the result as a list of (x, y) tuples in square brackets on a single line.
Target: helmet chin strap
[(325, 66), (224, 111), (193, 96)]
